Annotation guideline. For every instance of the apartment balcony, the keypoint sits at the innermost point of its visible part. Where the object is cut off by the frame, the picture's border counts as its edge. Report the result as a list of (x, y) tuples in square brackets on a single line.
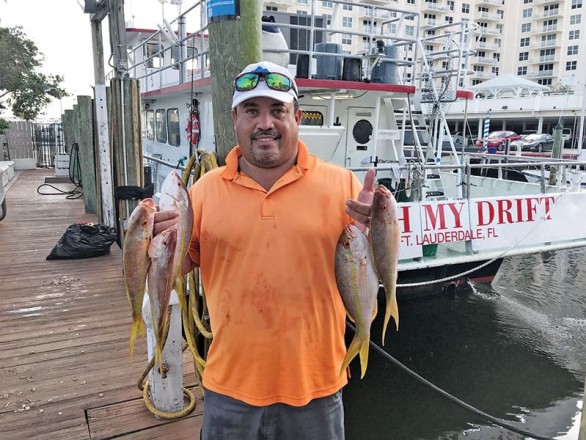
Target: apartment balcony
[(379, 2), (553, 29), (483, 75), (485, 61), (541, 74), (545, 2), (434, 7), (490, 3), (548, 44), (488, 16), (279, 3), (490, 31), (550, 13), (429, 22), (488, 46), (544, 59), (367, 13)]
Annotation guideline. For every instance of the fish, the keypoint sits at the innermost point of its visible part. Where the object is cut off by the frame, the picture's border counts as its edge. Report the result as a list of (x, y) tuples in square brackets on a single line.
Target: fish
[(136, 262), (358, 284), (174, 195), (385, 238), (160, 283)]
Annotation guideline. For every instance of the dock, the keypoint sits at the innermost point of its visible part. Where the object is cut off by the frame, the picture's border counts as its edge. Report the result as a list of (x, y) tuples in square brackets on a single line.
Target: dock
[(64, 332)]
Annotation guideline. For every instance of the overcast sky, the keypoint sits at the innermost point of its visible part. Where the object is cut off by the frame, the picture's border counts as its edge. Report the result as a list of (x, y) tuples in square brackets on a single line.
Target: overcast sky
[(62, 32)]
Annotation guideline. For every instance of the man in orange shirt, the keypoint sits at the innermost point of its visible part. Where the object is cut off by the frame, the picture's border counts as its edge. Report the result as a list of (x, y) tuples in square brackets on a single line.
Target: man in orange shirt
[(265, 232)]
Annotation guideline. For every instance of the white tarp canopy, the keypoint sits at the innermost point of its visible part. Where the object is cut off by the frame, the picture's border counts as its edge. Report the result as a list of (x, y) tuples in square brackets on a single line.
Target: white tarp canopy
[(508, 85)]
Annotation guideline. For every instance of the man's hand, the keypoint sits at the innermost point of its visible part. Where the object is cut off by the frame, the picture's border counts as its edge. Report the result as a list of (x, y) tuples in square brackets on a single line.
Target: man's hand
[(359, 209), (164, 220)]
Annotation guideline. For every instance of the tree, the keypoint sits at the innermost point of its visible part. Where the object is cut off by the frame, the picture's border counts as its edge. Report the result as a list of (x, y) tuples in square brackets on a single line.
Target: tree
[(22, 87), (4, 126)]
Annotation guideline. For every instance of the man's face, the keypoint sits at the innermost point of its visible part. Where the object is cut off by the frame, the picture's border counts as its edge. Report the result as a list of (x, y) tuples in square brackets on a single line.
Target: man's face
[(267, 131)]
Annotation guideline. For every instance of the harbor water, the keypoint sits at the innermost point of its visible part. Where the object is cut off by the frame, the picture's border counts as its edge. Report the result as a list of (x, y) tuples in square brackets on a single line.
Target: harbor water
[(514, 349)]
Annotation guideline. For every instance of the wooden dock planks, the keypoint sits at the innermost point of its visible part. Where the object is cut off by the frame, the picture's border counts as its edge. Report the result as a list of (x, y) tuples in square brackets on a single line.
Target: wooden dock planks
[(64, 330)]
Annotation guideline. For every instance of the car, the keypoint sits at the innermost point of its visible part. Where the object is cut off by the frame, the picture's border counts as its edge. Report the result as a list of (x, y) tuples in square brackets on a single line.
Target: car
[(496, 139), (537, 142), (517, 144), (458, 139)]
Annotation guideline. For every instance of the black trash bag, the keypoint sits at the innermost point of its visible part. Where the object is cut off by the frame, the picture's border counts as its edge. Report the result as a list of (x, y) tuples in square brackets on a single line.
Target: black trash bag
[(82, 240)]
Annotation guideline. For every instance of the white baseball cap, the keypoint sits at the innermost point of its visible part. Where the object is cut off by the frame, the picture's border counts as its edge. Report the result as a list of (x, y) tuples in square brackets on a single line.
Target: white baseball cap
[(262, 89)]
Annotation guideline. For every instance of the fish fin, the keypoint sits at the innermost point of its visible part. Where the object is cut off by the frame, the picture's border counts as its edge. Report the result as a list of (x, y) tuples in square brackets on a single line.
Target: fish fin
[(364, 357), (180, 287), (391, 310), (136, 329), (358, 345)]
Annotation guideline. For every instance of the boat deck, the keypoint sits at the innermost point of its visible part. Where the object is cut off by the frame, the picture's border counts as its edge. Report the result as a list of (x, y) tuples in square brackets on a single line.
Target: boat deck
[(64, 331)]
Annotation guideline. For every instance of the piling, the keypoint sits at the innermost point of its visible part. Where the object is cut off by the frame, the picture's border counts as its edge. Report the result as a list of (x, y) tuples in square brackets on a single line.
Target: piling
[(235, 41)]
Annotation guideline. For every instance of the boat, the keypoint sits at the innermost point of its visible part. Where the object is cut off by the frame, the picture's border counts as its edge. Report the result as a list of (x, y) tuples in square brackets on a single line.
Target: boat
[(461, 213)]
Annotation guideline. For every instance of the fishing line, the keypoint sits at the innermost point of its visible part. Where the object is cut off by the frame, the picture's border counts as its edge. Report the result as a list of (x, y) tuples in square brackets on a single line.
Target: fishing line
[(447, 395)]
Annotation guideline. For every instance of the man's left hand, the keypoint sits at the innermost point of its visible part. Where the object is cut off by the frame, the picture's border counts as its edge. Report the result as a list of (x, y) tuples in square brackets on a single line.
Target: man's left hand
[(359, 209)]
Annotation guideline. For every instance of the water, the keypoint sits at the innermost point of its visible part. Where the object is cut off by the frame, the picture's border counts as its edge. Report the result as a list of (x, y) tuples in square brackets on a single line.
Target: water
[(515, 349)]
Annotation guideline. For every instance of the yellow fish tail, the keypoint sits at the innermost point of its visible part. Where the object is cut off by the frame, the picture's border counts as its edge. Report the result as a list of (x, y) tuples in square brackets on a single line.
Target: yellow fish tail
[(359, 345), (136, 329), (392, 309)]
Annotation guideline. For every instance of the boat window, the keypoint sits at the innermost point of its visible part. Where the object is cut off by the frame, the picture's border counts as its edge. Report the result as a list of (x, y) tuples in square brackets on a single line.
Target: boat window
[(312, 118), (191, 53), (173, 127), (362, 131), (161, 125), (154, 55), (149, 123)]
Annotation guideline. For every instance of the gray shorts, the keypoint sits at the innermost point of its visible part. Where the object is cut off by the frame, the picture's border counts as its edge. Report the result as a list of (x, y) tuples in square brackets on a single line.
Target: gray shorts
[(227, 418)]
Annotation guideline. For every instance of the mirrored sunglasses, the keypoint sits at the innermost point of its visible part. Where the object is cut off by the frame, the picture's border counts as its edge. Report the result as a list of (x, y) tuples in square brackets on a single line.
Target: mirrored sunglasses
[(274, 81)]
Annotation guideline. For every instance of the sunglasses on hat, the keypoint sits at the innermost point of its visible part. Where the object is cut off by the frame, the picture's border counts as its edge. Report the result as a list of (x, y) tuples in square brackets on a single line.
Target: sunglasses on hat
[(274, 81)]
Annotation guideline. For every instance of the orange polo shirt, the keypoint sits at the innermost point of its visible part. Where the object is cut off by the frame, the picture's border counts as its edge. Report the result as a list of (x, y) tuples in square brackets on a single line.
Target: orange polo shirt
[(267, 266)]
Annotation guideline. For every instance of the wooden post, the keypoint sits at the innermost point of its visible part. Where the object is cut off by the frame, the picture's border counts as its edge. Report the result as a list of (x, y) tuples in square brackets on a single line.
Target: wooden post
[(234, 43), (124, 116), (106, 213), (126, 142), (85, 141), (68, 129)]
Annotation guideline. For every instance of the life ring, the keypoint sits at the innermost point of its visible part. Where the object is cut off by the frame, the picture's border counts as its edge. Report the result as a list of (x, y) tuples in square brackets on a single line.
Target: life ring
[(193, 129)]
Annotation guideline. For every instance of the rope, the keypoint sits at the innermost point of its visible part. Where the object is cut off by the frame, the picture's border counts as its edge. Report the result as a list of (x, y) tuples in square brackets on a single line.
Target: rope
[(74, 169), (447, 395), (146, 387), (190, 319), (164, 414)]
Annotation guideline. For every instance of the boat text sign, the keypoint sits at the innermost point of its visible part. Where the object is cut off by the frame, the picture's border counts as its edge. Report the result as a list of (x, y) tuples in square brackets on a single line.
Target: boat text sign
[(491, 223)]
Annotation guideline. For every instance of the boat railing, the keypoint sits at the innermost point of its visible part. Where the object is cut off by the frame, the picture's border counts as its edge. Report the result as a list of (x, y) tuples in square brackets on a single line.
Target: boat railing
[(163, 57), (464, 171)]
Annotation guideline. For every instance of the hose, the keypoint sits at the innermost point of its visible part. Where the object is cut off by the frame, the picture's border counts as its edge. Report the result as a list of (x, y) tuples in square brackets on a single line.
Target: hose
[(74, 170)]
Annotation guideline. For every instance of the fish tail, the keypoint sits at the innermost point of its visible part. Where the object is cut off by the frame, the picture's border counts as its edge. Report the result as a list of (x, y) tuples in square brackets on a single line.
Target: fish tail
[(136, 329), (364, 357), (391, 310), (358, 345)]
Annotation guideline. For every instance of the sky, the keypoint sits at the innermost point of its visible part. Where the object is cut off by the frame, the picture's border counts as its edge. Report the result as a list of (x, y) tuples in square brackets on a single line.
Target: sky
[(62, 33)]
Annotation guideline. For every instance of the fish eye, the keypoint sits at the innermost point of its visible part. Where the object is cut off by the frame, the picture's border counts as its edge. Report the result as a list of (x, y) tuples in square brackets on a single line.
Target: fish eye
[(346, 244)]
